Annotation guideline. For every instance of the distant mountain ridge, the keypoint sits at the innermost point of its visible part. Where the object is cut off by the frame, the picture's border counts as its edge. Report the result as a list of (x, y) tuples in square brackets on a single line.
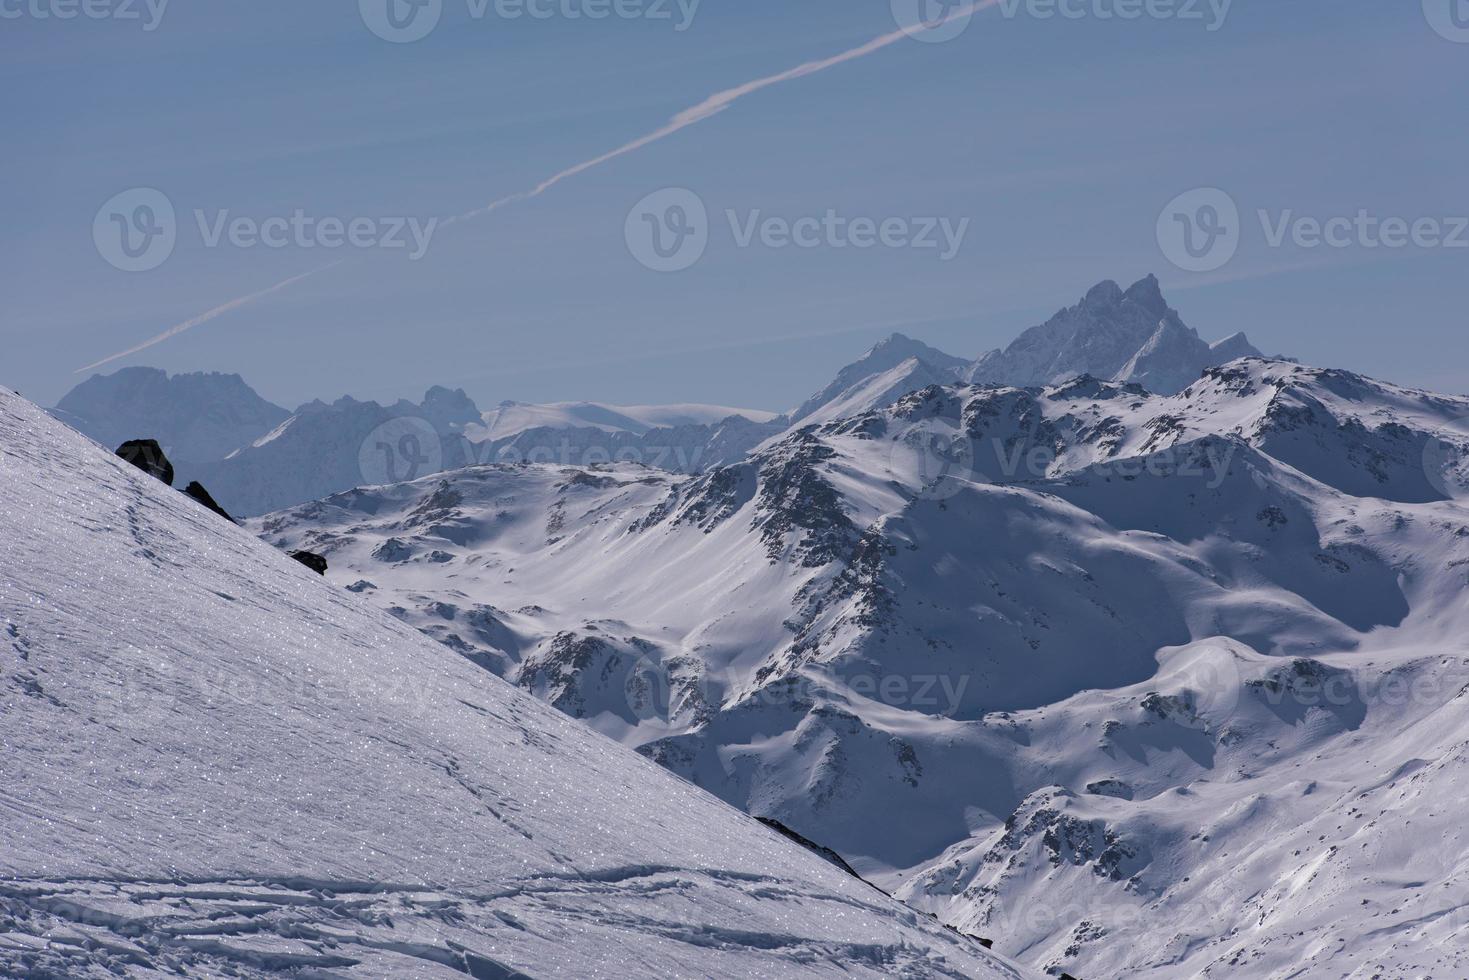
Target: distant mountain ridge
[(510, 418), (257, 457), (196, 417), (1124, 336), (1115, 335)]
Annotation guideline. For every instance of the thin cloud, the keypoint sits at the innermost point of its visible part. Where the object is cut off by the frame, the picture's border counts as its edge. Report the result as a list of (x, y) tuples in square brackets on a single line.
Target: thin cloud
[(691, 116), (205, 317), (720, 101)]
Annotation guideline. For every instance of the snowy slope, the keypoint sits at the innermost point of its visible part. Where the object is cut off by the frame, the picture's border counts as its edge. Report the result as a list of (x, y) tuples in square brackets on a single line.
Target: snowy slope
[(218, 764), (855, 387), (1110, 677)]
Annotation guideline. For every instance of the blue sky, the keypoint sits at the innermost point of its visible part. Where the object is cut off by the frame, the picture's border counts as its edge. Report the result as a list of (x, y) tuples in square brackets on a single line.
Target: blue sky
[(1058, 140)]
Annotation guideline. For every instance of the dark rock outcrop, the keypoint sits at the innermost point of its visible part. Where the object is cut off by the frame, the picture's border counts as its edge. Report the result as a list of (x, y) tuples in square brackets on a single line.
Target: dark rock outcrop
[(147, 456), (311, 560), (196, 490), (819, 850)]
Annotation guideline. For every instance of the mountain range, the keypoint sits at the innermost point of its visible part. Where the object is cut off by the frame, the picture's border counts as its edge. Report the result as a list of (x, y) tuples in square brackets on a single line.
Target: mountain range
[(1132, 684), (256, 457), (1125, 653)]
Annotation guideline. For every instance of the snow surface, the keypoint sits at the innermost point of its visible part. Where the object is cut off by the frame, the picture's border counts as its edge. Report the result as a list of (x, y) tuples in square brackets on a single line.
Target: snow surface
[(1133, 685), (216, 763)]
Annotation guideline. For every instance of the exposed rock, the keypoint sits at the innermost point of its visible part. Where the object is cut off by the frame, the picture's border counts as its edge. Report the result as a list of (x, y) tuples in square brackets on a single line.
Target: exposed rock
[(196, 490), (820, 851), (147, 456), (311, 560)]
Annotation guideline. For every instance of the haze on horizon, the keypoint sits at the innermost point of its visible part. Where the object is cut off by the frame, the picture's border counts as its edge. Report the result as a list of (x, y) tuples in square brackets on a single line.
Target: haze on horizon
[(1058, 142)]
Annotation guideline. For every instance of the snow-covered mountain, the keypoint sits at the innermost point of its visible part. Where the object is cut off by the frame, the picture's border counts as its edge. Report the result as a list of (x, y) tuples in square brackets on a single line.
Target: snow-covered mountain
[(1116, 335), (322, 449), (216, 764), (257, 457), (686, 448), (196, 418), (1125, 336), (890, 369), (510, 418), (1135, 685)]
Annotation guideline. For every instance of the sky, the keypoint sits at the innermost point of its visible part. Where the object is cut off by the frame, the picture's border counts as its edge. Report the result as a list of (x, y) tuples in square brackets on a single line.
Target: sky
[(1012, 156)]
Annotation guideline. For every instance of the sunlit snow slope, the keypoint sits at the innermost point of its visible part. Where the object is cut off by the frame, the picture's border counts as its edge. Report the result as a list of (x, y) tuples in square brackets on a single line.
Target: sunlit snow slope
[(1133, 685), (215, 763)]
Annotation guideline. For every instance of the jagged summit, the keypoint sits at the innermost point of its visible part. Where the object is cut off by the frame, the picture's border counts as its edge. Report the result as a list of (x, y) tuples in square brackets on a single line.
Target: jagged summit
[(1122, 335), (1127, 335)]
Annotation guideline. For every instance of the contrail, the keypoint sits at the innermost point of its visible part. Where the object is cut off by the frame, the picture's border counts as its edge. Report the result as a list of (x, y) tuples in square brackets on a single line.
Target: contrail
[(206, 316), (693, 115), (722, 100)]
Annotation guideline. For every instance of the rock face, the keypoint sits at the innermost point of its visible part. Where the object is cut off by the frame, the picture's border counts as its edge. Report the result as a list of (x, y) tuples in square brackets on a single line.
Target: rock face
[(311, 560), (147, 456), (196, 490)]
